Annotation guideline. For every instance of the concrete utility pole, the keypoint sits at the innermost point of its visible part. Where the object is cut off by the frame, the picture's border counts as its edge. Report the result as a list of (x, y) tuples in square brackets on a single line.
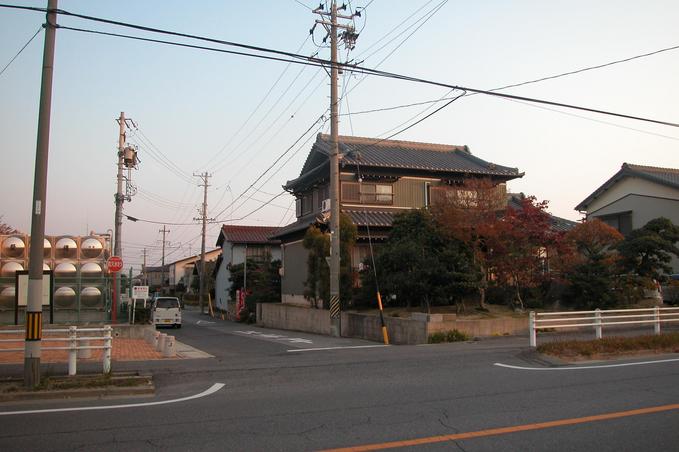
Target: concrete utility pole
[(349, 37), (203, 216), (129, 162), (32, 347), (145, 279), (162, 261)]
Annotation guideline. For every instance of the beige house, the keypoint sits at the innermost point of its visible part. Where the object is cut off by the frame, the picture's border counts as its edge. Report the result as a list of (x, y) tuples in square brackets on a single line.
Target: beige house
[(378, 178), (633, 196)]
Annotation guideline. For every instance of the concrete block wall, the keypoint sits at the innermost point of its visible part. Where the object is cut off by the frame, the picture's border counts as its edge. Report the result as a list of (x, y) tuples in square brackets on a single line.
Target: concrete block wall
[(481, 327), (401, 331), (285, 317)]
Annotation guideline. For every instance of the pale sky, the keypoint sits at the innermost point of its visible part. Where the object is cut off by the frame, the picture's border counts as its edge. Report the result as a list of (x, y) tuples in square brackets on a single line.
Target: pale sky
[(194, 107)]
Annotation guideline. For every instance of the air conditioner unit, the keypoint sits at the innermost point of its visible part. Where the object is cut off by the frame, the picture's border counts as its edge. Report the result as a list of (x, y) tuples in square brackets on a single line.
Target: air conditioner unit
[(325, 205)]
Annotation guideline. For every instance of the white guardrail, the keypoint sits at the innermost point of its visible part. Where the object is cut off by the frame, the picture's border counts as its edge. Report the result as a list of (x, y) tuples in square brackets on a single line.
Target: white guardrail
[(598, 319), (78, 345)]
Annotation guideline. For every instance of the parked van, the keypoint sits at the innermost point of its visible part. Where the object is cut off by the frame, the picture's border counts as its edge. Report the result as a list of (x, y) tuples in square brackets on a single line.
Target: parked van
[(167, 311)]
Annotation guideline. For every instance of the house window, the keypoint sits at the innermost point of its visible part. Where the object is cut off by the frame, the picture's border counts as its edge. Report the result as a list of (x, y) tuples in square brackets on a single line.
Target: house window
[(304, 204), (367, 193), (350, 192), (259, 253), (323, 194), (620, 221)]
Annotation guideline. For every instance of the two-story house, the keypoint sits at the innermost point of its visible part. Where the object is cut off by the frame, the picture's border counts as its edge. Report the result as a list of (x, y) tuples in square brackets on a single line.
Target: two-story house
[(238, 243), (633, 196), (378, 178)]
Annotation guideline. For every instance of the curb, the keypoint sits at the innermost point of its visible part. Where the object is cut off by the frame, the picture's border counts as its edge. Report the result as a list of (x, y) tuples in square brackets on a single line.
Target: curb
[(82, 393)]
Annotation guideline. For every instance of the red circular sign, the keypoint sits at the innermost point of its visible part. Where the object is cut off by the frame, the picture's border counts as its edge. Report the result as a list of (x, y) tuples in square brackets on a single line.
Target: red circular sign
[(115, 264)]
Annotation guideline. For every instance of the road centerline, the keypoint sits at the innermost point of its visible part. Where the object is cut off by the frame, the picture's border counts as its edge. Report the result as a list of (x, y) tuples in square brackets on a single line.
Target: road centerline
[(506, 430)]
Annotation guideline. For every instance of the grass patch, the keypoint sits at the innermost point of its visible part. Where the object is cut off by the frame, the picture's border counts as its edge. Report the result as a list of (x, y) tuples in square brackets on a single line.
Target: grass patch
[(48, 383), (612, 346), (447, 336)]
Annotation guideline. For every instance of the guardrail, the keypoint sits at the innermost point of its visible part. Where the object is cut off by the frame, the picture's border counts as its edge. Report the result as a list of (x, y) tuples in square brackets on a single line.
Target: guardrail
[(73, 346), (598, 319)]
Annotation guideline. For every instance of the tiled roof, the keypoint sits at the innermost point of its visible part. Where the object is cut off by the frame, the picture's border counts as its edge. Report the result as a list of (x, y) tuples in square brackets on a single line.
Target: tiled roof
[(299, 225), (247, 234), (371, 218), (664, 176), (396, 154)]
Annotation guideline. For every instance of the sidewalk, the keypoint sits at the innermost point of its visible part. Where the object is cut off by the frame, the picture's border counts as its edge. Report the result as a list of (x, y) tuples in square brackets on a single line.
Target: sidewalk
[(122, 350)]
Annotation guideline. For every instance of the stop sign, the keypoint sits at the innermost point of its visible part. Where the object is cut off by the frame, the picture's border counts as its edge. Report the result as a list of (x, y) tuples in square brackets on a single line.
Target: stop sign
[(114, 264)]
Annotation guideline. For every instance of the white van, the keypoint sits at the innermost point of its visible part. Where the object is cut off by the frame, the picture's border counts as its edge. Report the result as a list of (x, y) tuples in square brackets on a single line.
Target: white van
[(167, 311)]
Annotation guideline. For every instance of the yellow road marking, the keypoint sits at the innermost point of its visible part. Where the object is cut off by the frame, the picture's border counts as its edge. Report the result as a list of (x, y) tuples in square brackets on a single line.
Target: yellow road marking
[(505, 430)]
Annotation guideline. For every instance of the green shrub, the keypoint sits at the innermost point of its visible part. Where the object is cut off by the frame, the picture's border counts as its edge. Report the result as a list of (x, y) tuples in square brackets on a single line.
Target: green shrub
[(447, 336)]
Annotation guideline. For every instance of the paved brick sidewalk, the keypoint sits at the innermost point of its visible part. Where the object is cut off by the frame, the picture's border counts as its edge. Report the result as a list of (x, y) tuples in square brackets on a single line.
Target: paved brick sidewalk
[(123, 350)]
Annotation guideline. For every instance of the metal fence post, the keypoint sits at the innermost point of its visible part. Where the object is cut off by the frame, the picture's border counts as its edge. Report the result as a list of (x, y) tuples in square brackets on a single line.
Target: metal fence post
[(107, 349), (72, 350), (656, 317), (597, 321), (531, 329)]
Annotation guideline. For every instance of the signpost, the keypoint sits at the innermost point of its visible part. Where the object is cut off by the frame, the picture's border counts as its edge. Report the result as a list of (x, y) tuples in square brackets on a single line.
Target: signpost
[(114, 265)]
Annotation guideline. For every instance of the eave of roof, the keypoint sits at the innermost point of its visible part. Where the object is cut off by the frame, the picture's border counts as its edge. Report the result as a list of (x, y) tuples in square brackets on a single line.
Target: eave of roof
[(247, 234), (423, 158), (663, 176)]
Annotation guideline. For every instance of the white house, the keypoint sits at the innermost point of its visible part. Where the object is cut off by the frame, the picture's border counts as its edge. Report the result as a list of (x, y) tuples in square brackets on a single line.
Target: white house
[(237, 242)]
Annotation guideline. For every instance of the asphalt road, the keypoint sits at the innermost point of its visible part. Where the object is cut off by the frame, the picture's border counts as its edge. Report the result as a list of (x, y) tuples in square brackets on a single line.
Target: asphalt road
[(295, 391)]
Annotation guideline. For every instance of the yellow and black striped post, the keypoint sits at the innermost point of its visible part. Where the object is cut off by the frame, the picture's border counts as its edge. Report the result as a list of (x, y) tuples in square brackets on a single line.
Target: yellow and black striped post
[(33, 326), (385, 335), (335, 307)]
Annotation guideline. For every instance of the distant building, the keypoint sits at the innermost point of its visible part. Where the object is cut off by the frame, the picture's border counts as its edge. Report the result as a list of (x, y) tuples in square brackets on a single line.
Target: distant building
[(633, 196), (236, 243), (180, 273)]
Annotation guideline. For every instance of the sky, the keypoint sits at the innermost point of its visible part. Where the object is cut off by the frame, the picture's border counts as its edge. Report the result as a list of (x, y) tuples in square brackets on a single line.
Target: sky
[(232, 116)]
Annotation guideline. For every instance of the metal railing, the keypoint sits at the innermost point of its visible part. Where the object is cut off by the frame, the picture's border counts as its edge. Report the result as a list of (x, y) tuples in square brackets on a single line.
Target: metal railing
[(75, 342), (598, 319)]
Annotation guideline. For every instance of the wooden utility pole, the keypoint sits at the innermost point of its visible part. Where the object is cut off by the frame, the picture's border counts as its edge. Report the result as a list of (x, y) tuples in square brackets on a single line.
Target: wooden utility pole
[(32, 346), (203, 217)]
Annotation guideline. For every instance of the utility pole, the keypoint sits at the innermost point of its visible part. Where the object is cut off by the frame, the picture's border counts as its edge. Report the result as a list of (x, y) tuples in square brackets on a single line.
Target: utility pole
[(162, 262), (349, 37), (203, 216), (128, 161), (32, 345), (145, 279)]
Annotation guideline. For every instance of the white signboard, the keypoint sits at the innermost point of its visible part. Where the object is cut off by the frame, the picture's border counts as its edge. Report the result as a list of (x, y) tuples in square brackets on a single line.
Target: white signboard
[(140, 292), (22, 287)]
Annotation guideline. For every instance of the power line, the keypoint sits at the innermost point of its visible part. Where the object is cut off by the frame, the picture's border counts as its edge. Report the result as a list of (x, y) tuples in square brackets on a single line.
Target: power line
[(353, 68), (550, 77), (271, 166), (20, 50), (300, 59), (266, 96)]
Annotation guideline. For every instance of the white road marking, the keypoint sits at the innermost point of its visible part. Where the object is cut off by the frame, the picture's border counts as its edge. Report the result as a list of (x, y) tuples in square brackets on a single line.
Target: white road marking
[(334, 348), (211, 390), (278, 337), (603, 366), (202, 322)]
